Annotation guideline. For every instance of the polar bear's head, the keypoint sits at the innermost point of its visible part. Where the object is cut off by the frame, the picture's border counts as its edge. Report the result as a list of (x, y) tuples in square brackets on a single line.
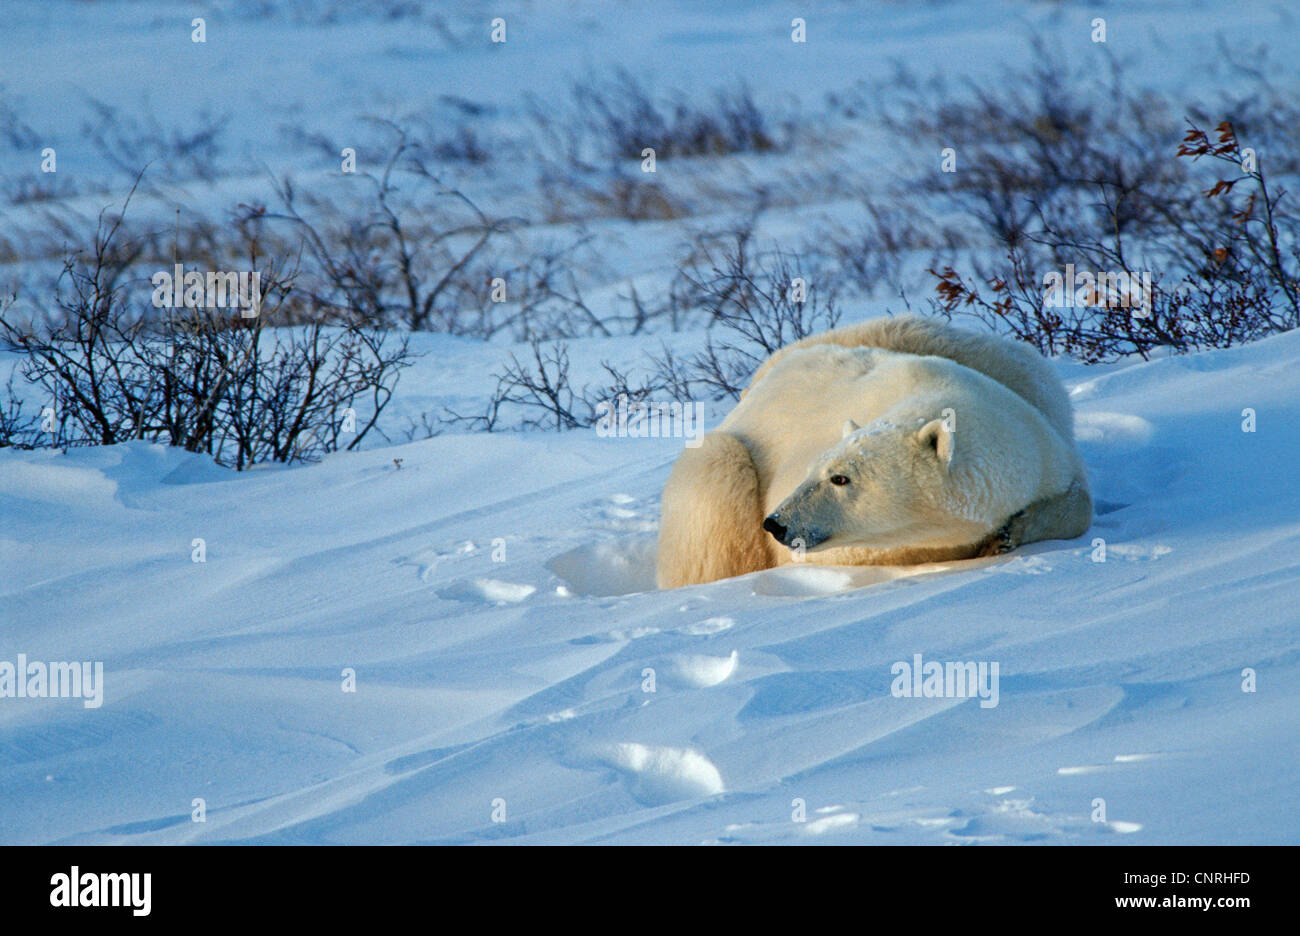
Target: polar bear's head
[(882, 486)]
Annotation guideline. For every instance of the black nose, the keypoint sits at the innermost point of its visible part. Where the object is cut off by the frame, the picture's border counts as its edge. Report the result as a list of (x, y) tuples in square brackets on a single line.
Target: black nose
[(773, 526)]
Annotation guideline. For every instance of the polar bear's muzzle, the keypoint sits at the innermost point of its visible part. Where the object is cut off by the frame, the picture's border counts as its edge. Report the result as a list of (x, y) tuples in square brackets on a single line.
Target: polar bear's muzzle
[(793, 537), (776, 528)]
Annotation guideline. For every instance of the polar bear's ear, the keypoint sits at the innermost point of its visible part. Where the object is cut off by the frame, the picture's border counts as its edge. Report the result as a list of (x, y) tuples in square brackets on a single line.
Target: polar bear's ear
[(848, 428), (939, 437)]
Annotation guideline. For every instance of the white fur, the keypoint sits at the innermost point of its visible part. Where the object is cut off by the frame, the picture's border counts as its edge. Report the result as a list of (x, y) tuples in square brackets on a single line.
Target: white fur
[(943, 460)]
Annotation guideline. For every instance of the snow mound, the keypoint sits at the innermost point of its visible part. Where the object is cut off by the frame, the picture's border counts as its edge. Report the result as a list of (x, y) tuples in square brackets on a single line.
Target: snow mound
[(703, 671), (617, 567), (659, 775)]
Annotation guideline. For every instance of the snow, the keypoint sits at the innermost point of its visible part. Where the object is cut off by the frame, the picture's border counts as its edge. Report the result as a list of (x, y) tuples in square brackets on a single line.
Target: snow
[(525, 679), (517, 677)]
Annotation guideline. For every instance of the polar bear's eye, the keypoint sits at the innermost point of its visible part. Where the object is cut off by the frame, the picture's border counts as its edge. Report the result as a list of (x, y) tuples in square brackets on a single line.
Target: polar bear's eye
[(839, 480)]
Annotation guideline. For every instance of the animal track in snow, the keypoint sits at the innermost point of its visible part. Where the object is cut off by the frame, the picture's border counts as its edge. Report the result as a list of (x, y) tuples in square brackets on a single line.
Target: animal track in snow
[(1136, 552), (1081, 769), (1012, 819), (428, 560), (618, 635), (834, 820), (1024, 565), (821, 821), (487, 590), (623, 513), (713, 625), (1112, 428), (1097, 768)]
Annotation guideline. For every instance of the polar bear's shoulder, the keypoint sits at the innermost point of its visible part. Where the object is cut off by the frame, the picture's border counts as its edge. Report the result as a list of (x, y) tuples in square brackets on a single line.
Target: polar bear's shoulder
[(830, 369), (812, 373), (829, 358), (1013, 364)]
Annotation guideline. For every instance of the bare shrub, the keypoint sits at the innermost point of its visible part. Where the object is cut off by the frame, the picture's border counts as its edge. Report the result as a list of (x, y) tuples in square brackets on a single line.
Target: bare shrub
[(615, 193), (542, 385), (462, 144), (201, 379), (398, 263), (126, 140), (1056, 172), (538, 393), (45, 188), (1231, 272), (414, 253), (18, 428), (617, 117), (1043, 141), (15, 133), (428, 137), (758, 301), (871, 253)]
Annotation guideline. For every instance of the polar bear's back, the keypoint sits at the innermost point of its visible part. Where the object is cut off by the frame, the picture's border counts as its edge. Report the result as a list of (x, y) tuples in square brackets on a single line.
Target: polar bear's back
[(1013, 364)]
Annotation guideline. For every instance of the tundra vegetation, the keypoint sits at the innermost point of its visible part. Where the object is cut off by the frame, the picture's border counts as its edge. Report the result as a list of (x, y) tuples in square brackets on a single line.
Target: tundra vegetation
[(1051, 169)]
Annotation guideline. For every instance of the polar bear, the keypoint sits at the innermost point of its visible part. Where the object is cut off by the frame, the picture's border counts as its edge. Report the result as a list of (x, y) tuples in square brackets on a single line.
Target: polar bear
[(892, 442)]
